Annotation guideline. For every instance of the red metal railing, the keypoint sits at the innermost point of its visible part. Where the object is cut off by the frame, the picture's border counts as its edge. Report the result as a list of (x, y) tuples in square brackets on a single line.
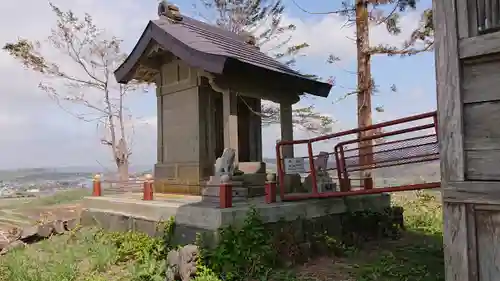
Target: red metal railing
[(224, 197), (102, 187), (409, 150)]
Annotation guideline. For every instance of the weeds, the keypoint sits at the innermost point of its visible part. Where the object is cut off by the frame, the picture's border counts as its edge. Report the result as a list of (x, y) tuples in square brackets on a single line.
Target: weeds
[(91, 253), (245, 252), (248, 252), (419, 255)]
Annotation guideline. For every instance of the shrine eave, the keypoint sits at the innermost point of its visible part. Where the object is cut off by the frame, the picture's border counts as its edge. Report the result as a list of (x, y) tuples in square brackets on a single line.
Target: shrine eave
[(218, 51)]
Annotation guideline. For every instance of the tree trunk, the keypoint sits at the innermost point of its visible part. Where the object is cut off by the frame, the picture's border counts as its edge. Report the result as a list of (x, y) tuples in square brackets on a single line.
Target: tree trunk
[(123, 170), (364, 86), (122, 160)]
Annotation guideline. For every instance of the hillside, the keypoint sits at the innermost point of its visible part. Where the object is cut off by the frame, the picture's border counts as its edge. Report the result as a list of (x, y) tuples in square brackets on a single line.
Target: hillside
[(61, 173)]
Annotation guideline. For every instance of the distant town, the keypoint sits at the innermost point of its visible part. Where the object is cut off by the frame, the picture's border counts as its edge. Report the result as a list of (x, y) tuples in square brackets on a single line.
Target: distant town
[(45, 181)]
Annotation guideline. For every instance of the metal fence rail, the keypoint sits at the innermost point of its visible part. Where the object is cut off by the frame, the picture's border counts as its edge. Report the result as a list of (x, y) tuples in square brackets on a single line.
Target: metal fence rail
[(391, 146)]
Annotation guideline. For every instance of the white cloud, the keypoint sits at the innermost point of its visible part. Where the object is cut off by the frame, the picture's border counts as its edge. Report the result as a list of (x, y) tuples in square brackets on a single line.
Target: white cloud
[(330, 35)]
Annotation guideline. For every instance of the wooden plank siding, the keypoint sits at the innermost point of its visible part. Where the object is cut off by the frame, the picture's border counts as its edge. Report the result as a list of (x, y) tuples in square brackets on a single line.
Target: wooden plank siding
[(481, 117), (468, 90), (478, 27), (488, 234), (488, 15)]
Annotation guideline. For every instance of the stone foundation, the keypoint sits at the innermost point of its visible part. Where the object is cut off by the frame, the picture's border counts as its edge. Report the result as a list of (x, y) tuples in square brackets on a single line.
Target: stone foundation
[(306, 218), (171, 186)]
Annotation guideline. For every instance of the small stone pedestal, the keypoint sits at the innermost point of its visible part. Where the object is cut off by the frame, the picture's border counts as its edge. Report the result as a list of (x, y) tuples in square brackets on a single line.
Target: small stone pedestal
[(323, 180), (211, 191)]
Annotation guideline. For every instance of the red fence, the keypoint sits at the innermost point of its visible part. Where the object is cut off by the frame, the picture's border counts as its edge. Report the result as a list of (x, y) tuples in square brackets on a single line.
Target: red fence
[(105, 187), (390, 146)]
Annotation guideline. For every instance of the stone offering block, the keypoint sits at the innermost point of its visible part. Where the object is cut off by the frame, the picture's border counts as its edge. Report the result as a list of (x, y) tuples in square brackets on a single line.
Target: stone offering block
[(252, 167), (210, 193)]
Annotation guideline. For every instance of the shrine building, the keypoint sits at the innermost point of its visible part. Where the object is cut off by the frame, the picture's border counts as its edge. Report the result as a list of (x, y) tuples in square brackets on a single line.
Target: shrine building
[(209, 86)]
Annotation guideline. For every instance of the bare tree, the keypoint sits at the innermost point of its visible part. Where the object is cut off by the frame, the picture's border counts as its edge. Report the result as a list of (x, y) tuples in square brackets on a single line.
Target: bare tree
[(263, 20), (83, 84)]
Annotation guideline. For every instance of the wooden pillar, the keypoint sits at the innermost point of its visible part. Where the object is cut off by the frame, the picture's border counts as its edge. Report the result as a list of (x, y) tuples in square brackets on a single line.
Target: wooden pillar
[(255, 130), (450, 139), (159, 121), (257, 124), (230, 108), (286, 121)]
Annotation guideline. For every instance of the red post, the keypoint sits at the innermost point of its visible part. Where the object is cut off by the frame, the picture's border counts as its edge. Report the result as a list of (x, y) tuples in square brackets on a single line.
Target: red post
[(270, 189), (345, 182), (368, 183), (281, 170), (225, 195), (435, 119), (96, 187), (148, 188)]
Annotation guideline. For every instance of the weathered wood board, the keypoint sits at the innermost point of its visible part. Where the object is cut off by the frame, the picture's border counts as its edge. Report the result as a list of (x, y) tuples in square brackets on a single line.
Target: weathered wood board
[(468, 90)]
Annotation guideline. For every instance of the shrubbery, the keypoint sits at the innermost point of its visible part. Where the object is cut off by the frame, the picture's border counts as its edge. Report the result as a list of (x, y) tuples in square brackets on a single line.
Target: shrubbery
[(251, 251)]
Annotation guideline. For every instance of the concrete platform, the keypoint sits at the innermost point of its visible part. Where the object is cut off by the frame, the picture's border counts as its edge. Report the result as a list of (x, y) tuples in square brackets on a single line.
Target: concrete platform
[(128, 212)]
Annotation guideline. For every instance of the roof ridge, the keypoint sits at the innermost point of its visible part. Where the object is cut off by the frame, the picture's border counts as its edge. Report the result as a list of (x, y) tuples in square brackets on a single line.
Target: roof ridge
[(240, 42), (234, 37), (224, 32)]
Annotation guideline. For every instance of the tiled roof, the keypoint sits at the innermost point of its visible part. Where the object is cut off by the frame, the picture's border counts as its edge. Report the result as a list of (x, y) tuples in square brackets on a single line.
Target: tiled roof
[(210, 48), (214, 40)]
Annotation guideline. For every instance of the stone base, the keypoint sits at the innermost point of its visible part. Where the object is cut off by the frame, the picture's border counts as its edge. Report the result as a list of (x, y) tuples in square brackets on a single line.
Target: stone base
[(323, 181), (170, 186), (293, 184), (252, 167), (210, 193), (255, 183), (193, 216)]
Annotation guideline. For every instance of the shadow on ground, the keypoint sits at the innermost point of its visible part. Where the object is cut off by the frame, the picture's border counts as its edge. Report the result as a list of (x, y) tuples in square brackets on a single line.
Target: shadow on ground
[(414, 257)]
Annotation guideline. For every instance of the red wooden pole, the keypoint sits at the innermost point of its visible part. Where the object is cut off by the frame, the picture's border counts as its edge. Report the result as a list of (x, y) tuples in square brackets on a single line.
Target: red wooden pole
[(368, 183), (148, 188), (225, 193), (270, 189), (96, 187)]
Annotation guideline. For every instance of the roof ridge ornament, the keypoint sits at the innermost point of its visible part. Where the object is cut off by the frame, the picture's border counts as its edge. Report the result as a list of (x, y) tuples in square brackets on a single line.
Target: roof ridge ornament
[(249, 38), (170, 11)]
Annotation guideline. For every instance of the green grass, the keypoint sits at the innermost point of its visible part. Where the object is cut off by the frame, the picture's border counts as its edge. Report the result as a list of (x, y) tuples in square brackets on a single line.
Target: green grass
[(83, 256), (418, 256), (63, 258), (61, 197)]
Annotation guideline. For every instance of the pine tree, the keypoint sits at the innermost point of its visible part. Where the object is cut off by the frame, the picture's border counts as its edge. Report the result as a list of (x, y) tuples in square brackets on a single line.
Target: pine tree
[(363, 14)]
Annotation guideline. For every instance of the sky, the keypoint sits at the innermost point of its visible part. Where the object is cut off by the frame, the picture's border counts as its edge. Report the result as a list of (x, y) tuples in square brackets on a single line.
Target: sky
[(35, 132)]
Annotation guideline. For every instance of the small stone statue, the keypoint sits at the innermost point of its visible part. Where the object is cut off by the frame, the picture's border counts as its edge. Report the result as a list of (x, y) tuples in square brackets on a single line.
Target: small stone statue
[(169, 10), (321, 162), (249, 38), (181, 264), (224, 165), (323, 180)]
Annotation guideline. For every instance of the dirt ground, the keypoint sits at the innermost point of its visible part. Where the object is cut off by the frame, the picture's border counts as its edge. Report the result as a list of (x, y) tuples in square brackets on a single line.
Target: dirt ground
[(18, 213)]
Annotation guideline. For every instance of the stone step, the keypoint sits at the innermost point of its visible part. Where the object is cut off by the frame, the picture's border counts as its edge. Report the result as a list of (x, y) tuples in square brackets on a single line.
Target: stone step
[(213, 191), (252, 167), (251, 180), (211, 194)]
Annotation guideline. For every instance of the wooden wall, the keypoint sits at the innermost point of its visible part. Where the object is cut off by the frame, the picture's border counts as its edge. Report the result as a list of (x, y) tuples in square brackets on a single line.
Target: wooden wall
[(481, 117), (468, 92)]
